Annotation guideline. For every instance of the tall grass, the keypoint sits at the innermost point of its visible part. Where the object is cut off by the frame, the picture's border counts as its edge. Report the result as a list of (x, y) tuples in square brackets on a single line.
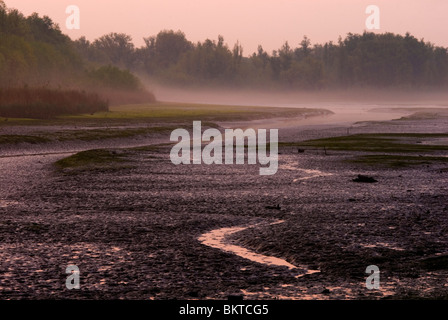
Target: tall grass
[(46, 103)]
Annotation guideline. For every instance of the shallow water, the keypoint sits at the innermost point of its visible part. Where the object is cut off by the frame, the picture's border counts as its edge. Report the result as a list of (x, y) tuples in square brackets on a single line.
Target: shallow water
[(309, 173), (218, 239)]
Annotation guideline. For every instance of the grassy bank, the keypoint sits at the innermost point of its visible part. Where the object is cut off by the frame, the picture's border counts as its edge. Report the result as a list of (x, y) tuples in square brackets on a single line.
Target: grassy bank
[(167, 111), (141, 119), (397, 161), (386, 149), (381, 142), (96, 159), (101, 160)]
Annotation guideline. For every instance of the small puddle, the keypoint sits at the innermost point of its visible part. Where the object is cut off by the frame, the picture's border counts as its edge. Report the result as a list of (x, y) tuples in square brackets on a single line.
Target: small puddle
[(218, 239), (310, 173)]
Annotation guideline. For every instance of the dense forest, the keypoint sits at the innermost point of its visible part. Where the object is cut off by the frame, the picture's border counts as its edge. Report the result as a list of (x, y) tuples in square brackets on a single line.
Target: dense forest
[(37, 57), (33, 50), (359, 60)]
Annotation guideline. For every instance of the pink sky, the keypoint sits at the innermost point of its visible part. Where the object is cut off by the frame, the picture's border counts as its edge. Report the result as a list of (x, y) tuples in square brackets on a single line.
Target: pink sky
[(252, 22)]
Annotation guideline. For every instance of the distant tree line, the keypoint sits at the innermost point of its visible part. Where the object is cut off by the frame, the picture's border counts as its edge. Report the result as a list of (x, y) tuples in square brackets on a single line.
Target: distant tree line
[(33, 50), (359, 60)]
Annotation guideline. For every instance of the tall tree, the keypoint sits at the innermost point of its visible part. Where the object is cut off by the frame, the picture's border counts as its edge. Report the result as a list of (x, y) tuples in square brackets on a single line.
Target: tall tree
[(117, 47), (168, 47)]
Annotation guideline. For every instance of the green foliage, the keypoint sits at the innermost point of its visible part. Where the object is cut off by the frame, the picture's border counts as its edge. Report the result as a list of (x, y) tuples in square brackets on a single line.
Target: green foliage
[(395, 150), (100, 159), (44, 30), (34, 52), (380, 142), (359, 60), (113, 77), (168, 47), (116, 48)]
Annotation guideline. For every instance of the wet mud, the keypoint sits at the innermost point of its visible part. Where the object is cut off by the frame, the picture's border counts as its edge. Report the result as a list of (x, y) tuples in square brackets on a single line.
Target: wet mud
[(140, 231)]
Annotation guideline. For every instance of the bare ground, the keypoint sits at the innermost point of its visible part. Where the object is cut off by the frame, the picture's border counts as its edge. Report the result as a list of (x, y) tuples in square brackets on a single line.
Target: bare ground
[(133, 230)]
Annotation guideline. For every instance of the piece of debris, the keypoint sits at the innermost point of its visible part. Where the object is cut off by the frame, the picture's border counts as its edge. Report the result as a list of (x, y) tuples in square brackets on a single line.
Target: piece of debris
[(326, 291), (277, 207), (300, 150), (362, 178)]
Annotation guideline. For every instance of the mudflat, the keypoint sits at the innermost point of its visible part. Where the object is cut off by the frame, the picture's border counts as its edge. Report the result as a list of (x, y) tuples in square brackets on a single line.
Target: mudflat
[(135, 224)]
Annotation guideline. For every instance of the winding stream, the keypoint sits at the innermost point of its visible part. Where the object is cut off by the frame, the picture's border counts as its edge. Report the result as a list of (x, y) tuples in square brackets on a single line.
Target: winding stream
[(218, 239)]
